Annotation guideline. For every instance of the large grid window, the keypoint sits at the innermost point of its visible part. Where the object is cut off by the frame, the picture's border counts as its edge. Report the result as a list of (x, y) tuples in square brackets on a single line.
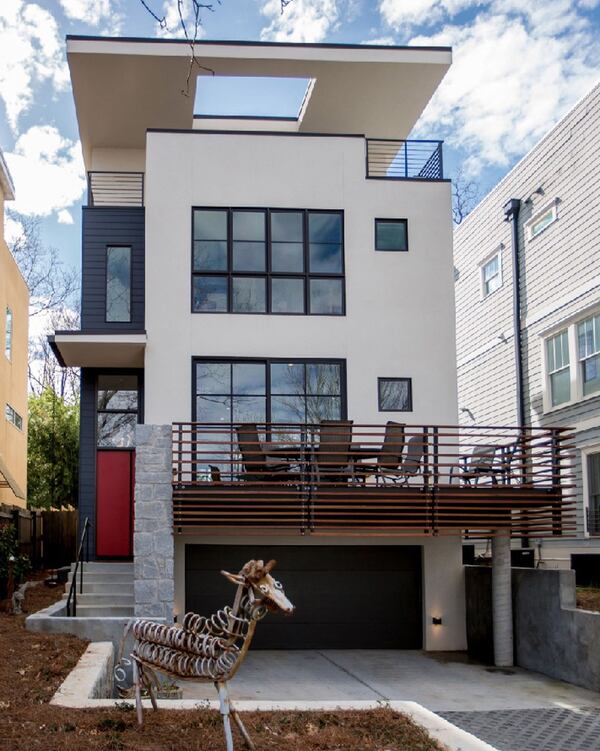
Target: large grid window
[(238, 391), (557, 365), (588, 345), (268, 261)]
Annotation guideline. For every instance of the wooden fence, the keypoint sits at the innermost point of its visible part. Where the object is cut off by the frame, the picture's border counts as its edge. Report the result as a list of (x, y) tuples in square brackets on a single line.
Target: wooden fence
[(47, 537)]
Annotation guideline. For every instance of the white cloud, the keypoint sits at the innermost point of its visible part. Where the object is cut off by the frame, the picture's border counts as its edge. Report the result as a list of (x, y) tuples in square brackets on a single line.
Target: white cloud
[(513, 76), (65, 217), (31, 52), (47, 170), (405, 13), (91, 12), (301, 21), (13, 229)]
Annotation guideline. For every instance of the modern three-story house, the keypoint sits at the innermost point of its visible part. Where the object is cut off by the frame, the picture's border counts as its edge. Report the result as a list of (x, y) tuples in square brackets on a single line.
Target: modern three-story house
[(279, 291)]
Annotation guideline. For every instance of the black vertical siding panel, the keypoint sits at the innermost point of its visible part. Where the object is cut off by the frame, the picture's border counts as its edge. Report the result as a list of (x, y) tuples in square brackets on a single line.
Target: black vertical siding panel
[(102, 227), (87, 454)]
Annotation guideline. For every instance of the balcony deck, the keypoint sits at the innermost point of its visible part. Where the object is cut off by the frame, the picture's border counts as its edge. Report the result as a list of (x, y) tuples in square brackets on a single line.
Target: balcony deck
[(473, 481)]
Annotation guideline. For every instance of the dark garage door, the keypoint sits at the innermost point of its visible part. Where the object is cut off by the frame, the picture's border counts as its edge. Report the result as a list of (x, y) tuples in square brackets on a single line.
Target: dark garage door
[(346, 597)]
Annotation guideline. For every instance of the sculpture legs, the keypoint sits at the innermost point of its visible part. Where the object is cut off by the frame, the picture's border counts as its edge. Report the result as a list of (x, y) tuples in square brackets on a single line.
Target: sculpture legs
[(224, 709), (242, 729), (138, 692)]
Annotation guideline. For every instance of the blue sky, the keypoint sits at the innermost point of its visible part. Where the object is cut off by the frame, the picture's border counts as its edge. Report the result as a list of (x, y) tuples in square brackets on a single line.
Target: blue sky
[(516, 71)]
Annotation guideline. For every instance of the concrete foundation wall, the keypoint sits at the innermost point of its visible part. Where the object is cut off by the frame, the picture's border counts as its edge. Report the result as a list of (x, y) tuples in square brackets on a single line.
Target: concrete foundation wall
[(551, 635)]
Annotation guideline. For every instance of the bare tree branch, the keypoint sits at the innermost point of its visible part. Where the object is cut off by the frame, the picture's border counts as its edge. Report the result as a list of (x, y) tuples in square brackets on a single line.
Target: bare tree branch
[(51, 284), (465, 196)]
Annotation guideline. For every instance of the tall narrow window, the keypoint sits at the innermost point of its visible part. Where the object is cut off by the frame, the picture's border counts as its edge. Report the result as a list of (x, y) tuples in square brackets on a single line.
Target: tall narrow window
[(588, 345), (557, 365), (118, 284), (593, 480), (491, 275), (8, 333)]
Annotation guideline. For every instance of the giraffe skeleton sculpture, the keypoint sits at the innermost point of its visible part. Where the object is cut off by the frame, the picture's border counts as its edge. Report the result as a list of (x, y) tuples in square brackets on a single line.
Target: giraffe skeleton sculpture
[(208, 648)]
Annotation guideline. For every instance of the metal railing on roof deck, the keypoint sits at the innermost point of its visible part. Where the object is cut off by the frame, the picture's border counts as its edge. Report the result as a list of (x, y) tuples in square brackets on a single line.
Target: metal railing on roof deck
[(115, 189), (401, 160), (394, 479)]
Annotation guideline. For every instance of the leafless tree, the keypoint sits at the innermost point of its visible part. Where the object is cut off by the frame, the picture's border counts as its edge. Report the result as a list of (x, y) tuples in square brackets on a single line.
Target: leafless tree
[(52, 285), (53, 305), (465, 195)]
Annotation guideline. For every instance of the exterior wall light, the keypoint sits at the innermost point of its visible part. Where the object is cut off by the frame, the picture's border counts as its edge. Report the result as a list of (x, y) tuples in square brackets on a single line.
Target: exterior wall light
[(436, 620)]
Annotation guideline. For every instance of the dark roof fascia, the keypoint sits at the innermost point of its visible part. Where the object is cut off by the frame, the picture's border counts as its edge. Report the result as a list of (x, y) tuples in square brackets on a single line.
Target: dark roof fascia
[(249, 43), (103, 332), (56, 351), (269, 118), (199, 132)]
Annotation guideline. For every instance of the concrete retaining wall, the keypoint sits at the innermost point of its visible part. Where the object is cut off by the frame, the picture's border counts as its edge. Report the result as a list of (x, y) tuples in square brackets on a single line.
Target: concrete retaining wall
[(551, 635), (91, 678)]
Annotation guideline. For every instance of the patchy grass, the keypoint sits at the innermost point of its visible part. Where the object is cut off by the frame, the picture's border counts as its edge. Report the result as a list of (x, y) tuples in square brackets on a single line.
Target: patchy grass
[(32, 666), (588, 598)]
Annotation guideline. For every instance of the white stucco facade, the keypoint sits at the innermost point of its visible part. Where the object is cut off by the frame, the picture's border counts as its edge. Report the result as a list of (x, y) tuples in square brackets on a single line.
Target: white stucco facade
[(399, 318)]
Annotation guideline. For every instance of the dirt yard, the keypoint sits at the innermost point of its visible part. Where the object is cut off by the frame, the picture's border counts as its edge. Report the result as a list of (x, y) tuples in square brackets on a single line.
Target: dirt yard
[(588, 598), (32, 666)]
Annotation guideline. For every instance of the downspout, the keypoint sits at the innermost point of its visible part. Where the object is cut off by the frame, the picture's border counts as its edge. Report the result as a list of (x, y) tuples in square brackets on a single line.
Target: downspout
[(511, 214)]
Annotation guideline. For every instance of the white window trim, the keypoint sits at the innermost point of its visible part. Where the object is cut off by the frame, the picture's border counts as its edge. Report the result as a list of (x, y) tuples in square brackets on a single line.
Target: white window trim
[(551, 206), (577, 395), (482, 264), (585, 452)]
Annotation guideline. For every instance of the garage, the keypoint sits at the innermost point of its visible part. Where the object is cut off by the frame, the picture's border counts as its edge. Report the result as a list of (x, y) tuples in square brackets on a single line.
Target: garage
[(346, 596)]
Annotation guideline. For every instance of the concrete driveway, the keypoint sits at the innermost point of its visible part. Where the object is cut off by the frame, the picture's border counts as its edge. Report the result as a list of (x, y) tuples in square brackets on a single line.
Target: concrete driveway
[(438, 681)]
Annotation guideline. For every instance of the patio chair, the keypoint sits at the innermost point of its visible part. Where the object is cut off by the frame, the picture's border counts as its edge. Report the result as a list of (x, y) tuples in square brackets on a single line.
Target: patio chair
[(389, 457), (332, 458), (480, 463), (411, 465), (257, 465)]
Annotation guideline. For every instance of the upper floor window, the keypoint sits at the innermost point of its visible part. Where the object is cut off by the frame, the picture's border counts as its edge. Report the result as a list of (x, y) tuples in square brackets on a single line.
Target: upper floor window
[(538, 222), (268, 261), (588, 349), (8, 334), (118, 284), (391, 234), (491, 275), (13, 417), (117, 410), (557, 365)]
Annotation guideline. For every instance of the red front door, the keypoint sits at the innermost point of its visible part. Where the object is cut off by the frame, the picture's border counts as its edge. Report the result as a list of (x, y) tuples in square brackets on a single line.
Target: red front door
[(114, 503)]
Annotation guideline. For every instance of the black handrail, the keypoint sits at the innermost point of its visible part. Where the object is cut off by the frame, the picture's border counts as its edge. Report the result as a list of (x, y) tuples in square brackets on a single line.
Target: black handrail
[(85, 540)]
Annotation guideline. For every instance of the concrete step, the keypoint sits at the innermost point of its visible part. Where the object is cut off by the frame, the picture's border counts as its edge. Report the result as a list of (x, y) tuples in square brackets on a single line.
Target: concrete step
[(109, 567), (105, 601), (104, 587), (114, 579), (97, 611)]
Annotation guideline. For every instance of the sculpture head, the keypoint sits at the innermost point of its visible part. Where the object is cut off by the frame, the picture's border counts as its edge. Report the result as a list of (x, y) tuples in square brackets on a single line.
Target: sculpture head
[(267, 591)]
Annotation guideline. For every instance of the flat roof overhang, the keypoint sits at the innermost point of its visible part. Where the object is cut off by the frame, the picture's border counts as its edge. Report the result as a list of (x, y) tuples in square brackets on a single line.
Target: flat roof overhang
[(80, 349), (377, 91)]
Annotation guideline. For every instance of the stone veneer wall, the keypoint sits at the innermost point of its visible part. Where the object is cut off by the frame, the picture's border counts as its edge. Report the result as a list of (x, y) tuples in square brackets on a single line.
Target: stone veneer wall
[(153, 547)]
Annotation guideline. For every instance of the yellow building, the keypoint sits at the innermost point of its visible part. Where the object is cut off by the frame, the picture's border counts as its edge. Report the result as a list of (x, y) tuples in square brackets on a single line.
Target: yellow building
[(14, 321)]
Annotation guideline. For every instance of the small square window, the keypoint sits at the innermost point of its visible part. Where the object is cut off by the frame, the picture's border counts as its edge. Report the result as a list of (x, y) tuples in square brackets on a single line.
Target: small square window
[(391, 234), (395, 394)]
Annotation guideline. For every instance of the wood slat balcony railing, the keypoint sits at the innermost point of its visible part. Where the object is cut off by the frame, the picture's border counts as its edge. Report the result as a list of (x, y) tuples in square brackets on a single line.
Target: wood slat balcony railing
[(341, 478)]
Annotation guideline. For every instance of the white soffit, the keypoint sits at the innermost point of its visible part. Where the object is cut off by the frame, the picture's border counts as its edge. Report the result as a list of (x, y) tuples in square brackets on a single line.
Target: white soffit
[(100, 350), (122, 87)]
